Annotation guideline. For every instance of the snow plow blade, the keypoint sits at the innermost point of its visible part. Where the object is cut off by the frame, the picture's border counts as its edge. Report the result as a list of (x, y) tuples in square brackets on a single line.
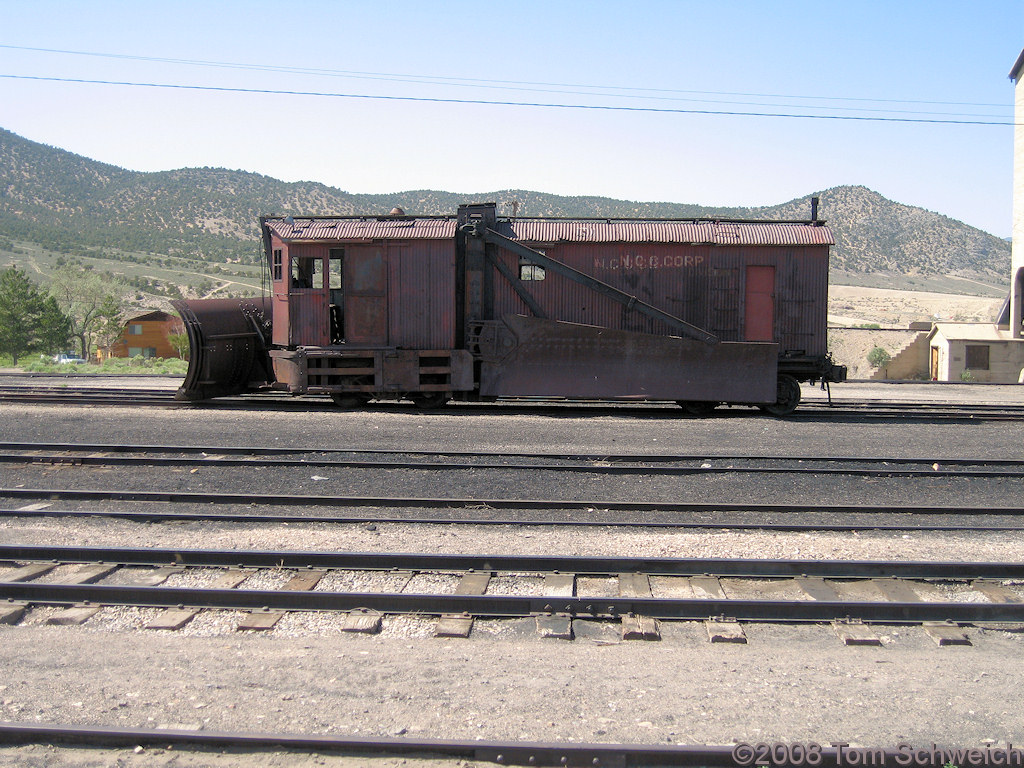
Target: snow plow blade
[(228, 347)]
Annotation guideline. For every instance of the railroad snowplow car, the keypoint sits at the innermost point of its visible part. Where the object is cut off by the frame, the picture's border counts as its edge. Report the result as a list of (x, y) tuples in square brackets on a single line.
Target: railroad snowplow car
[(476, 307)]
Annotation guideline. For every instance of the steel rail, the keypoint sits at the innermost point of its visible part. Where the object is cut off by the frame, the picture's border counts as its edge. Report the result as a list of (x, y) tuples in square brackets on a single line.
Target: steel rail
[(705, 468), (406, 502), (413, 561), (865, 411), (280, 517), (230, 450), (593, 755), (90, 399), (513, 606), (72, 384), (70, 390)]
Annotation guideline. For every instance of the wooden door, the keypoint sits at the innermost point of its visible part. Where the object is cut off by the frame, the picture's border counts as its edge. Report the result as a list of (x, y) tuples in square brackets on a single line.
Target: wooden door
[(759, 304), (365, 282), (307, 298)]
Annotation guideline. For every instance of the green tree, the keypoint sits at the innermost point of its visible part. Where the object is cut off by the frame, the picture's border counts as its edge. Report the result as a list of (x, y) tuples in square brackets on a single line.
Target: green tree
[(54, 327), (178, 339), (86, 298), (29, 321), (109, 323), (878, 357)]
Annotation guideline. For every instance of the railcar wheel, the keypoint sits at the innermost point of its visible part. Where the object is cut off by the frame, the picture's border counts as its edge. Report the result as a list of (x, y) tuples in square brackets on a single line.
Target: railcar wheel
[(788, 397), (697, 407), (428, 400), (350, 399)]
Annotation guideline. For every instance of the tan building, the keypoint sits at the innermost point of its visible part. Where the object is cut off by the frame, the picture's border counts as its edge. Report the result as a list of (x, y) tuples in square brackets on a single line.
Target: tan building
[(147, 336), (974, 352), (982, 351), (1017, 254)]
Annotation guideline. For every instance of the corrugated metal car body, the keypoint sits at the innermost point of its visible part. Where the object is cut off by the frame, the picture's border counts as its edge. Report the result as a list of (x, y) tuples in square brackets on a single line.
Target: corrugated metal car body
[(705, 285), (352, 295)]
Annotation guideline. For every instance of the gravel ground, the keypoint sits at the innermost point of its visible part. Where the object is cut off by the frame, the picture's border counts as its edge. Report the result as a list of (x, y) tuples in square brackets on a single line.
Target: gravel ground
[(506, 682), (512, 539), (527, 485)]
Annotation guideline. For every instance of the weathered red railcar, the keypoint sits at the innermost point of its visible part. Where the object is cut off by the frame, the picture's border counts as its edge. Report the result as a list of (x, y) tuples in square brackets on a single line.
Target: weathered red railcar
[(476, 306)]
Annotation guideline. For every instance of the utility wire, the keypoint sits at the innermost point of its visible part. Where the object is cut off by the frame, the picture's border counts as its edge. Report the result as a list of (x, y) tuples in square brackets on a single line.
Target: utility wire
[(522, 85), (549, 105)]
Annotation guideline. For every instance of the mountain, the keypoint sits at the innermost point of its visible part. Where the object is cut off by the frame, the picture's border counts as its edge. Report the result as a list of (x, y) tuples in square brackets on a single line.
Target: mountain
[(71, 204)]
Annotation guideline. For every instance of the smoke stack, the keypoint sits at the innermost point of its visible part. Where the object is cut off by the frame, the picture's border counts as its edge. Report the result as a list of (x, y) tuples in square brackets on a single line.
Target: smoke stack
[(814, 209)]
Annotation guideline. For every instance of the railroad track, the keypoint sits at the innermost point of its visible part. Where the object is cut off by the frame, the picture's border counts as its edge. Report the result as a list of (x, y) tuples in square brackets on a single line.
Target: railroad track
[(154, 483), (101, 454), (706, 523), (861, 410), (554, 590), (448, 503), (70, 394), (592, 755)]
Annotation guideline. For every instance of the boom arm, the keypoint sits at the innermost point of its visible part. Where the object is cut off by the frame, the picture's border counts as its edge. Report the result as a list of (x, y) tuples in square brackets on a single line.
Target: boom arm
[(630, 302)]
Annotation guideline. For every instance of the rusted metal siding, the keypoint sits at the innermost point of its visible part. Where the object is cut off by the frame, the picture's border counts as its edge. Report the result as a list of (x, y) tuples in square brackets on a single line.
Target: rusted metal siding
[(318, 229), (280, 331), (655, 231), (555, 359), (703, 285), (557, 230), (695, 270), (366, 295), (308, 320), (422, 294), (801, 304)]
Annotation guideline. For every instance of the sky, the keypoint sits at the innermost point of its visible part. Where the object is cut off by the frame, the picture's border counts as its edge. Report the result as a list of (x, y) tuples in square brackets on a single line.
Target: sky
[(724, 103)]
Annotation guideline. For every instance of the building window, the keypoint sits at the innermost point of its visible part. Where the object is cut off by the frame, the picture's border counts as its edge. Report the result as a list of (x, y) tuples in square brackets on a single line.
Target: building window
[(336, 257), (135, 329), (307, 272), (278, 264), (977, 357), (530, 271)]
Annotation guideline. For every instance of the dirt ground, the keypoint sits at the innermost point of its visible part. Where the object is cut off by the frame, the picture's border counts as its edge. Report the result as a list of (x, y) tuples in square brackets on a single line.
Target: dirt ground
[(853, 305)]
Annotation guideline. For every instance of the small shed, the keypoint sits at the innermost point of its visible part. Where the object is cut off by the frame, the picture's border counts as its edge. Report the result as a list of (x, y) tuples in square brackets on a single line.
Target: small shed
[(980, 352), (147, 336)]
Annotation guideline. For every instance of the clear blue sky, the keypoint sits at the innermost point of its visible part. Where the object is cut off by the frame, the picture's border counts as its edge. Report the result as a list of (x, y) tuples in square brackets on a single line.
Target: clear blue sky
[(930, 60)]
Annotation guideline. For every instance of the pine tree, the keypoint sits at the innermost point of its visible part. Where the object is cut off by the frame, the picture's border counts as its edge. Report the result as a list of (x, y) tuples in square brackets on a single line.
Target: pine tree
[(29, 320), (54, 326)]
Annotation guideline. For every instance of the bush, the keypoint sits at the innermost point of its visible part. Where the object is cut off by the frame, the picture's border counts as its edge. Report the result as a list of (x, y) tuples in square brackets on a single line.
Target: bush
[(878, 357), (115, 365)]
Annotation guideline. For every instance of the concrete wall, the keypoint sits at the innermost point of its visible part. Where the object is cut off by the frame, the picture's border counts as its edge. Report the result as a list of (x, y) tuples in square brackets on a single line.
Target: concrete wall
[(910, 363), (1017, 258), (1005, 360)]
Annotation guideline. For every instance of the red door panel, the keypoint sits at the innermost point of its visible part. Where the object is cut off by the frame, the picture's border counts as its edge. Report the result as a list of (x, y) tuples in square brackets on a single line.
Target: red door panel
[(759, 315)]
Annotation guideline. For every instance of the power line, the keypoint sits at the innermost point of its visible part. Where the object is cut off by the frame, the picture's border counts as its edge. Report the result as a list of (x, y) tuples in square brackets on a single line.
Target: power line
[(485, 102), (524, 85)]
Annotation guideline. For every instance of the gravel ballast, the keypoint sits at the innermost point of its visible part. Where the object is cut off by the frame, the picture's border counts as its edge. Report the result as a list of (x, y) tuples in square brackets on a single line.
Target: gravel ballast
[(788, 683)]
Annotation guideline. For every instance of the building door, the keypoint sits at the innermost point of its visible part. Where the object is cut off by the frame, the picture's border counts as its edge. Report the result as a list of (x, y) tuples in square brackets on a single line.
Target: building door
[(365, 284), (934, 363), (759, 312)]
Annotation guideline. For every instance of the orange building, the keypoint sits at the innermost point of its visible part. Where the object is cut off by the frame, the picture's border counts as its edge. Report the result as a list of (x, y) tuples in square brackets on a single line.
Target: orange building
[(146, 335)]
